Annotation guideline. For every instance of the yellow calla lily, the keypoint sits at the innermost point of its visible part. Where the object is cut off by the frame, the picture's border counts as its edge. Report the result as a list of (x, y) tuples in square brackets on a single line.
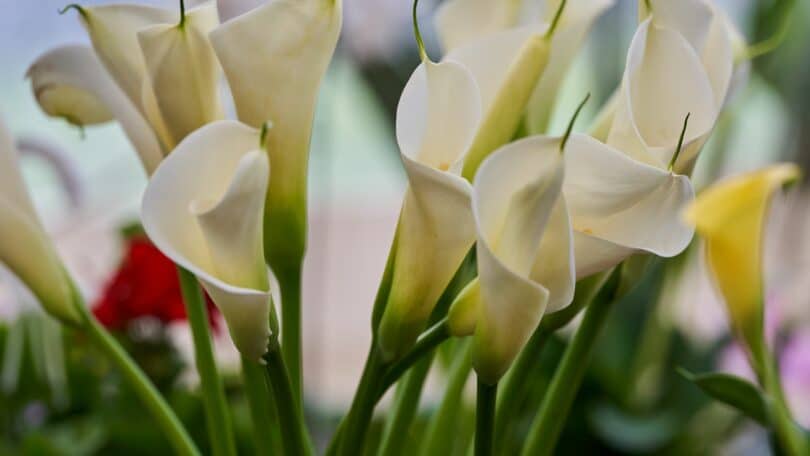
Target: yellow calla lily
[(730, 216), (25, 247)]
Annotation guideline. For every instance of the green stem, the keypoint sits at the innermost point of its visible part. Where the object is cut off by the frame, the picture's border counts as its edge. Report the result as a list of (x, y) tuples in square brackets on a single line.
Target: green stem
[(429, 340), (787, 432), (295, 439), (485, 418), (444, 425), (263, 413), (143, 387), (515, 385), (406, 404), (549, 422), (290, 284), (216, 408), (362, 409)]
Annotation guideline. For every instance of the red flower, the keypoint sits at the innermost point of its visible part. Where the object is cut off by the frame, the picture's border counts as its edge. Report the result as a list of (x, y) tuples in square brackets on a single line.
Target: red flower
[(145, 284)]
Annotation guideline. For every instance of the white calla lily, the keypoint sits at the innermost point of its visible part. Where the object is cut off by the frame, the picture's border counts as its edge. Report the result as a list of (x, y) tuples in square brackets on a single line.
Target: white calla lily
[(525, 249), (183, 71), (619, 205), (203, 209), (664, 81), (274, 58), (70, 82), (436, 120), (25, 248), (229, 9)]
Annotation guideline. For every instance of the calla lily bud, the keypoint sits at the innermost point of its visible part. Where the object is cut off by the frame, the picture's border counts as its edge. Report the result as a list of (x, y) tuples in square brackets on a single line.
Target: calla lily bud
[(730, 216), (203, 209), (24, 246), (620, 206), (183, 71), (525, 249), (436, 120), (70, 82), (113, 30), (274, 58)]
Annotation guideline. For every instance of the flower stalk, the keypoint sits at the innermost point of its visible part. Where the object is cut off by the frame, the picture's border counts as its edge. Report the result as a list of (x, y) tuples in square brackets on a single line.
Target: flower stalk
[(485, 418)]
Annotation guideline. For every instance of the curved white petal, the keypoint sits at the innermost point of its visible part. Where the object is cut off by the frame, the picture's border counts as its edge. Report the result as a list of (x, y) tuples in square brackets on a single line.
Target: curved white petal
[(113, 31), (459, 22), (183, 71), (614, 198), (663, 82), (203, 209), (692, 18), (516, 200), (76, 68), (24, 246), (436, 120), (575, 23), (229, 9)]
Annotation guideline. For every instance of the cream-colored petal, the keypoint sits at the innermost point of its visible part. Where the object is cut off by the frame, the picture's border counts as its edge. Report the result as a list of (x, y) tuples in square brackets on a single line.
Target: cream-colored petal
[(437, 114), (692, 18), (614, 198), (76, 68), (663, 82), (554, 265), (575, 23), (515, 193), (459, 22), (183, 71), (718, 55), (229, 9), (113, 31), (462, 315), (213, 183), (436, 120), (24, 246), (593, 255)]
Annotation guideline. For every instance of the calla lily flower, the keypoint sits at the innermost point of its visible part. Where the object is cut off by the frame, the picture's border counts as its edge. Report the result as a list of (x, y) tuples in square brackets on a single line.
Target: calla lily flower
[(164, 67), (525, 252), (70, 82), (203, 209), (436, 120), (730, 216), (462, 22), (274, 57), (26, 248), (620, 205)]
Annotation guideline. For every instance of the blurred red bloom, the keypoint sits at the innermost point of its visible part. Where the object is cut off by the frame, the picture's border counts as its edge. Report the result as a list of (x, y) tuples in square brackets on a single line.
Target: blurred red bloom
[(145, 285)]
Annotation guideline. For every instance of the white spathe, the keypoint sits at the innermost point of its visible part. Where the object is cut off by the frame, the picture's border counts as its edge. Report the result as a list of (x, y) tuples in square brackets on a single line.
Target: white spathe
[(619, 205), (525, 248), (25, 248), (437, 117), (70, 82), (203, 208)]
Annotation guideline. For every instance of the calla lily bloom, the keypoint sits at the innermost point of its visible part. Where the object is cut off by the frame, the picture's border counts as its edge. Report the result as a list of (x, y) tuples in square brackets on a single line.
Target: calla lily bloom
[(203, 209), (730, 216), (462, 22), (164, 67), (274, 57), (70, 82), (525, 252), (436, 120), (25, 248)]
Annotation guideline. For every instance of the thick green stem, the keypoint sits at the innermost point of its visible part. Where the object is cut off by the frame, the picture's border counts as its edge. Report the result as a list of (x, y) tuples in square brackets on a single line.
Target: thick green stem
[(216, 408), (290, 283), (143, 387), (263, 413), (549, 422), (429, 340), (295, 438), (444, 425), (406, 404), (485, 418), (787, 432), (362, 409)]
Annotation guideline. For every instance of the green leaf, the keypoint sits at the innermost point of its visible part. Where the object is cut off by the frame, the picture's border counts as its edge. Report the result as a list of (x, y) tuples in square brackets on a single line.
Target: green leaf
[(734, 391)]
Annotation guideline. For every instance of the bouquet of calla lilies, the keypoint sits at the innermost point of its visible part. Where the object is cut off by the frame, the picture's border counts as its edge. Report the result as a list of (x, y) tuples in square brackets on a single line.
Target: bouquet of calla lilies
[(506, 233)]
